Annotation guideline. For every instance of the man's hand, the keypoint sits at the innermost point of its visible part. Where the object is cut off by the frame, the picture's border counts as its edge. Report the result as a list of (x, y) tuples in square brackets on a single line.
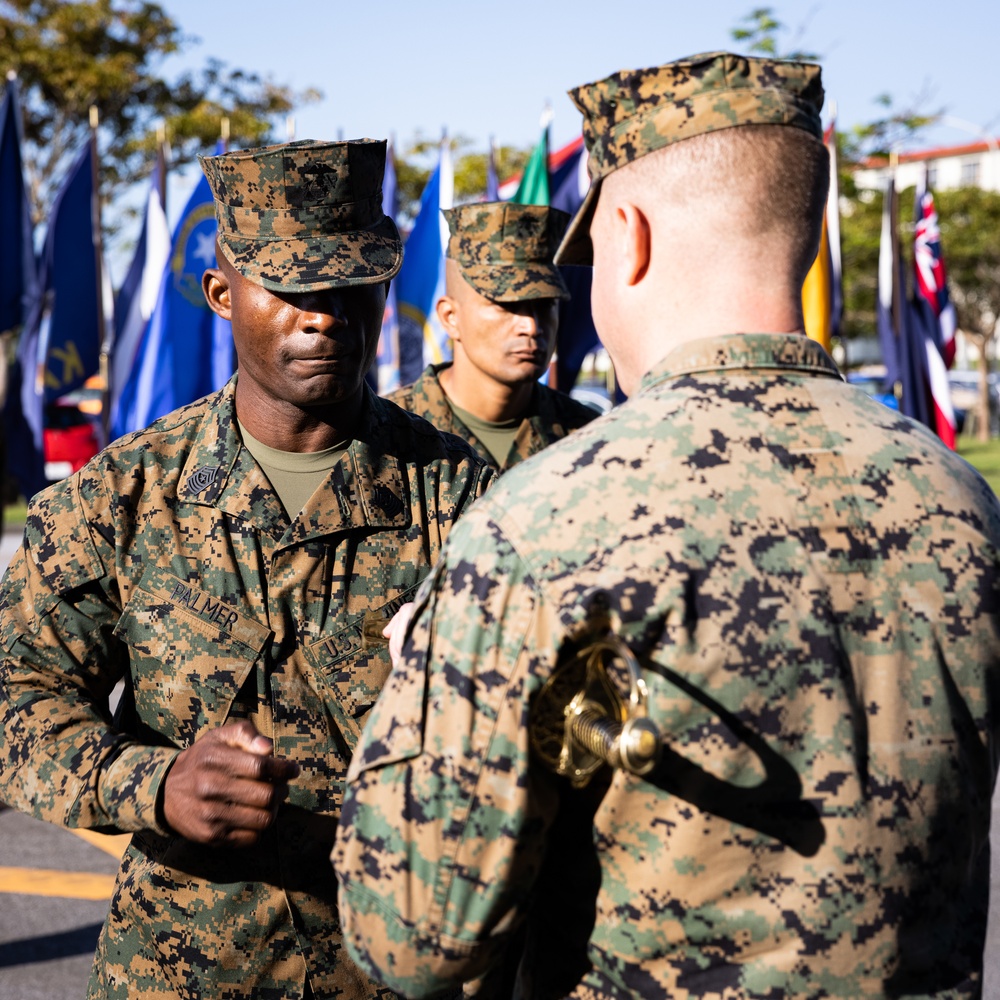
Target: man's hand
[(395, 630), (226, 788)]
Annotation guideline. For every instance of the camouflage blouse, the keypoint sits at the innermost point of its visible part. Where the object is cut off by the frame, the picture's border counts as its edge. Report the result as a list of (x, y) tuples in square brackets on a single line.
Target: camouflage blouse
[(811, 585), (553, 415), (169, 562)]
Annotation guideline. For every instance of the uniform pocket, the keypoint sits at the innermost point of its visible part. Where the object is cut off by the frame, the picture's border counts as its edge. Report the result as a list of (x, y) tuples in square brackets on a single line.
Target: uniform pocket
[(189, 654), (353, 663), (397, 733)]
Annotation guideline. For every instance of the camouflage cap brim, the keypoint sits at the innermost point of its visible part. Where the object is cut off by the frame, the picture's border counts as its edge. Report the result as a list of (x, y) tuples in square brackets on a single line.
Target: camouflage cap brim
[(305, 215), (506, 283), (576, 247), (505, 249), (337, 260)]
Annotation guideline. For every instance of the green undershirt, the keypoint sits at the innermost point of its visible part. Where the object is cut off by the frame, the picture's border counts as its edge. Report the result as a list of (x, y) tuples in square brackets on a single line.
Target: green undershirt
[(497, 438), (295, 475)]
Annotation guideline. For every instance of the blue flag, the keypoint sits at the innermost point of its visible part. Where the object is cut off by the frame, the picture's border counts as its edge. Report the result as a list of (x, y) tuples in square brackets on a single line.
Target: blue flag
[(60, 345), (17, 252), (420, 282), (900, 330), (387, 367), (492, 180), (185, 352), (22, 428), (68, 313), (568, 184), (139, 291)]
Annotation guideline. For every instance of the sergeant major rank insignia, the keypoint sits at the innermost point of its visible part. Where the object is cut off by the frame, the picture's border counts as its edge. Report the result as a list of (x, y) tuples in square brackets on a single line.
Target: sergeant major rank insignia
[(387, 501), (201, 479)]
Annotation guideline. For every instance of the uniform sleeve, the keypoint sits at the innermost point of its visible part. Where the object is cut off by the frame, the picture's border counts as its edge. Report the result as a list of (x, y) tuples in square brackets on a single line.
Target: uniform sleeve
[(61, 758), (441, 832)]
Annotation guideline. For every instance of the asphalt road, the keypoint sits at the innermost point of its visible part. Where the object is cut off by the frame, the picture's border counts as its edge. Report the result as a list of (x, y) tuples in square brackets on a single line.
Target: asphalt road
[(55, 883), (49, 920)]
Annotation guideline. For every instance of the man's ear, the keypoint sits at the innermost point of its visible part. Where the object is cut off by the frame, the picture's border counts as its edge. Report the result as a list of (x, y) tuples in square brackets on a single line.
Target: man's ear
[(447, 311), (636, 243), (216, 289)]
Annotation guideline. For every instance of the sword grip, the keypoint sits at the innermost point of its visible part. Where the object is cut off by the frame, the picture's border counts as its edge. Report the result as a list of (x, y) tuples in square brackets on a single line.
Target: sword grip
[(633, 746)]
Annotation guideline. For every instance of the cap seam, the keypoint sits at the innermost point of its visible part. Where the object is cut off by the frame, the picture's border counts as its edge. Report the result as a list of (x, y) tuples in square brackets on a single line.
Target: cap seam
[(790, 102)]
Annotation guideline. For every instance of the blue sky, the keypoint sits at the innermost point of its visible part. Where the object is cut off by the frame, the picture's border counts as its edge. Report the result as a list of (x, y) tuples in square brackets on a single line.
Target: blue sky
[(393, 68), (397, 68)]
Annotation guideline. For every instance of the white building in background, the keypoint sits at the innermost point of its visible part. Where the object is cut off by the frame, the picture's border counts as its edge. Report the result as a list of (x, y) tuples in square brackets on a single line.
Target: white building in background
[(975, 164)]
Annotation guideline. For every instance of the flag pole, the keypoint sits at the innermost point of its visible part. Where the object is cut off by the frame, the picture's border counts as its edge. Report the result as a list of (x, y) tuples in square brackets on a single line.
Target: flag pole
[(897, 301), (106, 329), (161, 163), (394, 333), (546, 121), (224, 133)]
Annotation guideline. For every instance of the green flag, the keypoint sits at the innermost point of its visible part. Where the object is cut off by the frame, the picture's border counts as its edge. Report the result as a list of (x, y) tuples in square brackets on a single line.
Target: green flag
[(534, 186)]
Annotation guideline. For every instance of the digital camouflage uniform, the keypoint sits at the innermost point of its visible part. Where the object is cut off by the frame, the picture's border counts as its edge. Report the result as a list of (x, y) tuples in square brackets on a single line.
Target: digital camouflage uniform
[(169, 561), (551, 416), (504, 250), (811, 585)]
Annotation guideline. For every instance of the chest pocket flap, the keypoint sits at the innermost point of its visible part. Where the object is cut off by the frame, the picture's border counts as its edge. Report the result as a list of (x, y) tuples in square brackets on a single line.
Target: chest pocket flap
[(353, 664), (190, 653)]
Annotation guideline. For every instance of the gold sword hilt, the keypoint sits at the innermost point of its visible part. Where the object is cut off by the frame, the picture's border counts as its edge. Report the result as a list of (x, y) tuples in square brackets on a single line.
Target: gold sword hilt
[(581, 722)]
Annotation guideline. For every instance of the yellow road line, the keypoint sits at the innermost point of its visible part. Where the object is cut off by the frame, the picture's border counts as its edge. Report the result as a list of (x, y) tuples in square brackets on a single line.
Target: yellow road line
[(46, 882), (111, 843)]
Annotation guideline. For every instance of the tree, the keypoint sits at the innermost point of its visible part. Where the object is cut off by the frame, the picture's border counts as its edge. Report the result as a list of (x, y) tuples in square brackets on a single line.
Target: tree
[(969, 220), (415, 164), (895, 128), (759, 32), (860, 231), (70, 56)]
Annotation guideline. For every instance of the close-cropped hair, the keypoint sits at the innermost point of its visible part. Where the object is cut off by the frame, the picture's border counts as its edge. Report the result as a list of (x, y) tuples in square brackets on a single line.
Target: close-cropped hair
[(763, 181)]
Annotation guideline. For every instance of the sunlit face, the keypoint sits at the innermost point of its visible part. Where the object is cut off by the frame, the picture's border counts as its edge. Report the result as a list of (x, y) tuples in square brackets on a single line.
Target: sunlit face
[(511, 342), (304, 348)]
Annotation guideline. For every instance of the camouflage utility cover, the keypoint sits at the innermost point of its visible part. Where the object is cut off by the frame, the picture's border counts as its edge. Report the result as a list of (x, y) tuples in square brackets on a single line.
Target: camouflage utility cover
[(169, 561), (505, 250), (305, 215), (811, 583), (550, 417), (635, 112)]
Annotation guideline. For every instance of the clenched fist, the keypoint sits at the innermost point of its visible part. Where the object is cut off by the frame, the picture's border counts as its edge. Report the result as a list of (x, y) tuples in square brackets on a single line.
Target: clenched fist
[(226, 787)]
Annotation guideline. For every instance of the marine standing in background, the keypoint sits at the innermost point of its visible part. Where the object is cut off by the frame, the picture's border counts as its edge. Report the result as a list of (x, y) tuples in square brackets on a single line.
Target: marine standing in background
[(808, 582), (501, 310), (234, 564)]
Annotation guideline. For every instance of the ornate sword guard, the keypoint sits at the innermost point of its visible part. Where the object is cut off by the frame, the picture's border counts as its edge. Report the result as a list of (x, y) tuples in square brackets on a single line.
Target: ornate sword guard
[(581, 721)]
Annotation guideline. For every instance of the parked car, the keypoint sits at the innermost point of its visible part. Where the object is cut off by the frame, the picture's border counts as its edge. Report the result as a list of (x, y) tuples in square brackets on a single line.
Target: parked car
[(71, 435), (964, 386), (872, 380), (593, 395)]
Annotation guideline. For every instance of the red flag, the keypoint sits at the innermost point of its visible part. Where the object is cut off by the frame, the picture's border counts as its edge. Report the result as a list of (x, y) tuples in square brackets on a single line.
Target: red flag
[(934, 311), (930, 274)]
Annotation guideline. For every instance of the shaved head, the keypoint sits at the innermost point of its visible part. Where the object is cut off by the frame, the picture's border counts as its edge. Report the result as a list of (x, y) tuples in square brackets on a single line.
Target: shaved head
[(763, 184), (711, 235)]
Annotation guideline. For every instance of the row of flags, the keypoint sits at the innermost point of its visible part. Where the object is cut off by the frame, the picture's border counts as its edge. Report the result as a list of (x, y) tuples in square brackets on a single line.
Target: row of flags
[(170, 348), (916, 321), (159, 346)]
